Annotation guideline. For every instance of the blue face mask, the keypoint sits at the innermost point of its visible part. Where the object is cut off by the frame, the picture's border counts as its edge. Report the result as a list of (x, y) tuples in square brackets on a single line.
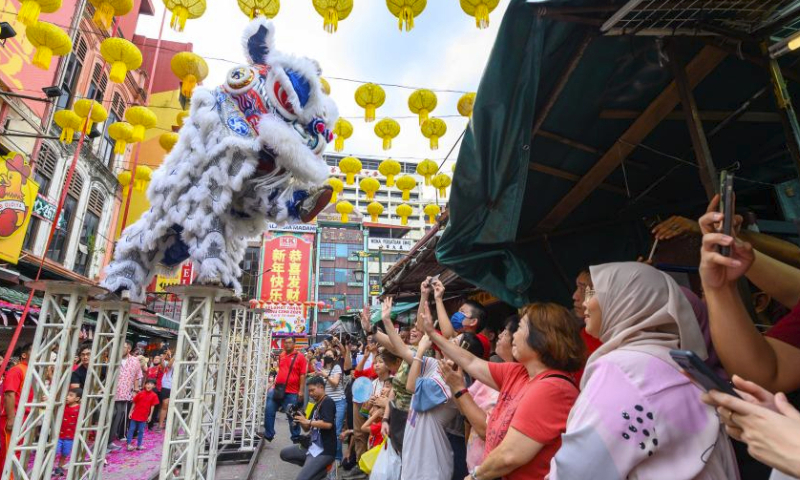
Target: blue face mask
[(458, 320)]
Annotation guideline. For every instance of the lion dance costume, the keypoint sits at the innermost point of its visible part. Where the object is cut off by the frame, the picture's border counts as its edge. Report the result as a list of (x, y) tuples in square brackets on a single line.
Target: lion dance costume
[(249, 153)]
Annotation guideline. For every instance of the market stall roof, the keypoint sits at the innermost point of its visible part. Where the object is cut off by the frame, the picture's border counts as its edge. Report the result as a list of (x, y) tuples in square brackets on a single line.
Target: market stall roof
[(580, 132)]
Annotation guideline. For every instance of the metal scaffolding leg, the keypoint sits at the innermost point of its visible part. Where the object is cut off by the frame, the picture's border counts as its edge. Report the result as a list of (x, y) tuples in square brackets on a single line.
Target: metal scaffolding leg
[(264, 363), (248, 412), (232, 405), (94, 420), (199, 331), (41, 407)]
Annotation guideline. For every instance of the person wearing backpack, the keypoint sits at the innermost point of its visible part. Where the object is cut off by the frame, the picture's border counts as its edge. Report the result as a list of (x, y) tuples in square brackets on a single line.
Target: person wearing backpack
[(288, 389)]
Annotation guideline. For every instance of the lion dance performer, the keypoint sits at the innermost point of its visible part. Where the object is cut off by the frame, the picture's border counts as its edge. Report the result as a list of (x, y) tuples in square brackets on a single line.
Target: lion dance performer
[(249, 153)]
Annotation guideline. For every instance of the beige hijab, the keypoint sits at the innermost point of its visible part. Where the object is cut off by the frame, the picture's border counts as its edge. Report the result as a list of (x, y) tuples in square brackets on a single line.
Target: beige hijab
[(643, 309)]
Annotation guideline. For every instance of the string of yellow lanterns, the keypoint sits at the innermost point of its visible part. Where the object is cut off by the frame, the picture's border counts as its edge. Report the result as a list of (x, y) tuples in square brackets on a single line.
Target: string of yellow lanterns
[(427, 169), (337, 186), (122, 55), (369, 186), (259, 8), (69, 122), (389, 168), (387, 129), (121, 133), (375, 209), (465, 104), (168, 141), (370, 97), (344, 208), (405, 184), (343, 130), (431, 210), (404, 211), (480, 9), (106, 10), (48, 40), (30, 10), (406, 11), (350, 166), (142, 118), (433, 129), (90, 112), (441, 182), (422, 102)]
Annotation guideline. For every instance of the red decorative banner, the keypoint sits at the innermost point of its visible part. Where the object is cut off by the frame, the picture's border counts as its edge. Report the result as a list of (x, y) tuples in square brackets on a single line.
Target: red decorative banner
[(284, 289)]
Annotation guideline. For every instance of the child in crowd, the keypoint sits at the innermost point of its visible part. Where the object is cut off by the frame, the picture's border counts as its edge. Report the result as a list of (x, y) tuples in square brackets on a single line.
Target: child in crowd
[(68, 426), (143, 405), (373, 423)]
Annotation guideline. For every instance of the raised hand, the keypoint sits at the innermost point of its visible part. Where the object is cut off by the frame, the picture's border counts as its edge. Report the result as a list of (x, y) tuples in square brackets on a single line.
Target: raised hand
[(386, 308), (438, 289), (454, 377)]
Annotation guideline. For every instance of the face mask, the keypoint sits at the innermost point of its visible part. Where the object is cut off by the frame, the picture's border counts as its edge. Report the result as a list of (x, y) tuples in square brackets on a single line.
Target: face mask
[(458, 320)]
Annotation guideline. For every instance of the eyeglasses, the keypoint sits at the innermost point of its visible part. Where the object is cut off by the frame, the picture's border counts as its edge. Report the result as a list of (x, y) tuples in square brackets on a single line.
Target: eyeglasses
[(588, 293)]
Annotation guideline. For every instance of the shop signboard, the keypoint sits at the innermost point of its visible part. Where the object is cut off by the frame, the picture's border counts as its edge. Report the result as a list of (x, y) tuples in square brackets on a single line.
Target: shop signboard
[(293, 227), (17, 196), (285, 285), (46, 210), (390, 244)]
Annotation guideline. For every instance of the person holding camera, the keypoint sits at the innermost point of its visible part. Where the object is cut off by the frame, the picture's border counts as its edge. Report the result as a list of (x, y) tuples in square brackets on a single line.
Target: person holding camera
[(321, 451), (288, 389)]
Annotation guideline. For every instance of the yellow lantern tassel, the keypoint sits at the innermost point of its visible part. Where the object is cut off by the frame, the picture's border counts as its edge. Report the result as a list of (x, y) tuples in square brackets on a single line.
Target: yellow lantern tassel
[(423, 115), (179, 17), (406, 196), (443, 192), (344, 218), (482, 16), (434, 144), (189, 82), (29, 13), (42, 57), (406, 17), (427, 179), (387, 143), (331, 21), (119, 147), (369, 116), (390, 180), (138, 133), (403, 220), (351, 177), (374, 218), (118, 71), (103, 16), (334, 197), (370, 195), (338, 144), (67, 135), (431, 218)]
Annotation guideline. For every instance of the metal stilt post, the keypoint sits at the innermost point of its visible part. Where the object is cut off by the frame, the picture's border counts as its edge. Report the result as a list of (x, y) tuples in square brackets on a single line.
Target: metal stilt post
[(97, 404), (41, 406), (233, 380), (266, 358), (182, 443), (248, 418)]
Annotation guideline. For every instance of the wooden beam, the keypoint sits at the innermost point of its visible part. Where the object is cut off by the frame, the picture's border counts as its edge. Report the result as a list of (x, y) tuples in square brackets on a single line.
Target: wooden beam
[(555, 172), (706, 116), (702, 152), (701, 65), (582, 146), (561, 83)]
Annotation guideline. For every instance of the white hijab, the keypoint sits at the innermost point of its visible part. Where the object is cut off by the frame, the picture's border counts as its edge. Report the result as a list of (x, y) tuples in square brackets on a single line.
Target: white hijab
[(643, 309)]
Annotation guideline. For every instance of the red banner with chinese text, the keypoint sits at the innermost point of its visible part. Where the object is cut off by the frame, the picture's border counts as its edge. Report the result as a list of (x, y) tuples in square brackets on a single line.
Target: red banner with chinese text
[(287, 260)]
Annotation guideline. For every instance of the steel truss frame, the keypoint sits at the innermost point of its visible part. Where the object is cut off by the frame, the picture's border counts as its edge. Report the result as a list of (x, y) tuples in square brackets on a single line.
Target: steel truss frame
[(192, 432), (94, 420), (41, 407)]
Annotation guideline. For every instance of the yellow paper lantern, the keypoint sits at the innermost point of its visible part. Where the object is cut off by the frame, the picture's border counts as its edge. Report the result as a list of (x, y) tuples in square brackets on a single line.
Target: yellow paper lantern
[(466, 104), (69, 122), (142, 178), (326, 87), (183, 10), (427, 169), (406, 183), (91, 110), (406, 11), (122, 55), (142, 118), (337, 187), (479, 9), (369, 185), (389, 168), (121, 133), (332, 11), (404, 211), (441, 181), (263, 8), (106, 10), (29, 10), (350, 166), (345, 208), (168, 141), (387, 129), (370, 97), (180, 117), (48, 40), (375, 209), (342, 129), (422, 102), (190, 68), (431, 211), (433, 129), (124, 179)]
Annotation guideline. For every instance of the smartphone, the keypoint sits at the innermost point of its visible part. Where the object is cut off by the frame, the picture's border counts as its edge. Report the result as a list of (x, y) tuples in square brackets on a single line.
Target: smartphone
[(434, 279), (726, 207), (701, 373)]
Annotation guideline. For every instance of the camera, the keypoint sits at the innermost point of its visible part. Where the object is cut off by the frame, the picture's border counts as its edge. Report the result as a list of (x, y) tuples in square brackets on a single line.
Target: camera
[(295, 410)]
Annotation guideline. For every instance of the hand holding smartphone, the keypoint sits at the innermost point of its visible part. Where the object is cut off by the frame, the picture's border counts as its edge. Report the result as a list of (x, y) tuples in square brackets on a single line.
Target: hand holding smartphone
[(702, 374)]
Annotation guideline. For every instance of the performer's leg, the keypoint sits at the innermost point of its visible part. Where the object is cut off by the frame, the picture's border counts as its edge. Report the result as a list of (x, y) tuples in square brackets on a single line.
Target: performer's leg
[(134, 264)]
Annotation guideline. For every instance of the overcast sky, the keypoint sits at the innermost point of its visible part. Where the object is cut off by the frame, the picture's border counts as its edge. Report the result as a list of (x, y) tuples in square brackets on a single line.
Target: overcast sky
[(444, 51)]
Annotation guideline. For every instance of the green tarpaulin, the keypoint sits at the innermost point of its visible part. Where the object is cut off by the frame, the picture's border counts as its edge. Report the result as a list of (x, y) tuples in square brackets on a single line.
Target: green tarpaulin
[(398, 309)]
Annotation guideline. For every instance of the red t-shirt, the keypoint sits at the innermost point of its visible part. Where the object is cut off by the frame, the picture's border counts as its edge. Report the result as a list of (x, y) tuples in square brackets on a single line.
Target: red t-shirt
[(787, 329), (299, 369), (367, 372), (156, 373), (375, 437), (70, 422), (546, 405), (592, 344), (142, 403), (13, 383)]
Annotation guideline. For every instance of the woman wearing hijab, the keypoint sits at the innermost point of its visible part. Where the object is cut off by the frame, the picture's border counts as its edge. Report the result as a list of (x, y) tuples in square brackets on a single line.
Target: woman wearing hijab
[(637, 416)]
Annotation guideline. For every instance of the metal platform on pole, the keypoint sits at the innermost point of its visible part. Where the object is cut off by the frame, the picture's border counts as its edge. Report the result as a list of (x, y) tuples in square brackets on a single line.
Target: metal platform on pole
[(32, 446), (191, 439), (97, 404)]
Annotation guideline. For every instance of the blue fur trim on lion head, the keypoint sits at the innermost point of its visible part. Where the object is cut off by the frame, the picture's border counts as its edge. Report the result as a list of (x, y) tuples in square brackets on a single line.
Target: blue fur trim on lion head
[(300, 85), (257, 46)]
